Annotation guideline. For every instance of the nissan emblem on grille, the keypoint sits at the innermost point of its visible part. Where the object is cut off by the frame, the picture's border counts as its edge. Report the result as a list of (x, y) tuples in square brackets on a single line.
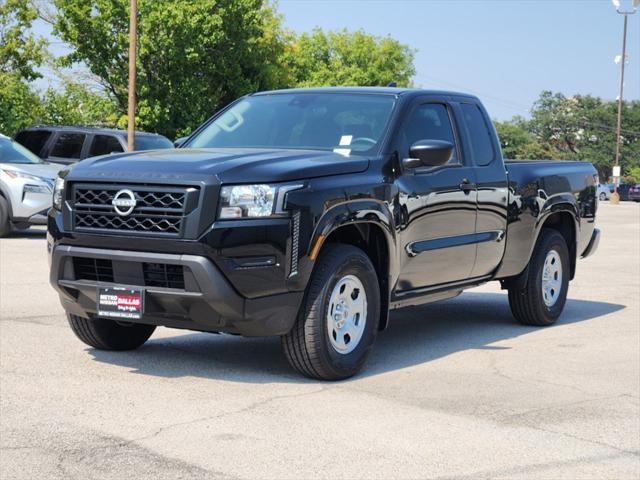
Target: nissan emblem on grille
[(124, 202)]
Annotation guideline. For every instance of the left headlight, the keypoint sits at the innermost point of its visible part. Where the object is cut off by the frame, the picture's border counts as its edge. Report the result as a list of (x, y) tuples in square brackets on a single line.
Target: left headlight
[(58, 193)]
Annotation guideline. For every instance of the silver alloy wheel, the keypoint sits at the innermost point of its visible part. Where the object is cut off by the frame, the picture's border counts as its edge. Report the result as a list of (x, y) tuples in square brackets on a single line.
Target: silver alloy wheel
[(347, 314), (551, 278)]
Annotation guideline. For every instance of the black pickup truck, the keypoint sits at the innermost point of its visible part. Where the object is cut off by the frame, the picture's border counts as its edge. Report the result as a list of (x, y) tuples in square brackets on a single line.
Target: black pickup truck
[(310, 214)]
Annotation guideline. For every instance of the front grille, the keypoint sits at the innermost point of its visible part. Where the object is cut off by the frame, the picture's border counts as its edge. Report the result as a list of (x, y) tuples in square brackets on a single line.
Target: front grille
[(163, 275), (158, 210), (94, 269)]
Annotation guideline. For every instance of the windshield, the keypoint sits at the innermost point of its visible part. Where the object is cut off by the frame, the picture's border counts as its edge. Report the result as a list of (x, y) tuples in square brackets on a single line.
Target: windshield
[(151, 142), (345, 123), (12, 152)]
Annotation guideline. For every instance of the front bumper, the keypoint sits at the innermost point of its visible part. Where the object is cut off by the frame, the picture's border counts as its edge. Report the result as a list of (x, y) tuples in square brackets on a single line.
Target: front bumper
[(207, 301)]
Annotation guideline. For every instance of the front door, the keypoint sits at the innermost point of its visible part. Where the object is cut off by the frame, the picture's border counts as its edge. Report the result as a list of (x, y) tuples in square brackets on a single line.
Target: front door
[(438, 221)]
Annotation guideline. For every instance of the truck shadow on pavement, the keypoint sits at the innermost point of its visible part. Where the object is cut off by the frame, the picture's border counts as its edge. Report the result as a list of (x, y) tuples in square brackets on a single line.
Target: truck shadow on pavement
[(416, 335)]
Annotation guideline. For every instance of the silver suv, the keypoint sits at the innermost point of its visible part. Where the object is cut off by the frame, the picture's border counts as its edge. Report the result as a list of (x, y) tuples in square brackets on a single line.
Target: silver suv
[(26, 184)]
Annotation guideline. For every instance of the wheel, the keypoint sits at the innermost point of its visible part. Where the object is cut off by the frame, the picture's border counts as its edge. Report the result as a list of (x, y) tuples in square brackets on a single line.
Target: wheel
[(338, 321), (541, 302), (106, 334), (5, 224), (603, 196)]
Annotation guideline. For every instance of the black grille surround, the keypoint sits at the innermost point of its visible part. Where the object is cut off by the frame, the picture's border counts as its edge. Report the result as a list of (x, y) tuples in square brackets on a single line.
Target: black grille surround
[(159, 210)]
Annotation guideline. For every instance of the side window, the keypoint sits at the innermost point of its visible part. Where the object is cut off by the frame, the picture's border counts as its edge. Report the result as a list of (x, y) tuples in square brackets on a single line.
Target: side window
[(104, 144), (68, 145), (480, 134), (33, 140), (430, 121)]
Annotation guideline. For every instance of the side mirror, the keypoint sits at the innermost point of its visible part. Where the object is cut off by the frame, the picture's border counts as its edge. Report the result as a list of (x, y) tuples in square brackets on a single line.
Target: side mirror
[(179, 141), (429, 153)]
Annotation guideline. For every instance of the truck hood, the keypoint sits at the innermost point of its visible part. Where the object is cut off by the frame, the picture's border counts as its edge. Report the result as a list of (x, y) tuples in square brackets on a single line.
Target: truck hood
[(228, 165), (45, 170)]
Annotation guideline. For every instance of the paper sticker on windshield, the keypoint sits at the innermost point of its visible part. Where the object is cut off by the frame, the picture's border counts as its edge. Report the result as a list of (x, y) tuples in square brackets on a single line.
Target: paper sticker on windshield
[(342, 151), (345, 140)]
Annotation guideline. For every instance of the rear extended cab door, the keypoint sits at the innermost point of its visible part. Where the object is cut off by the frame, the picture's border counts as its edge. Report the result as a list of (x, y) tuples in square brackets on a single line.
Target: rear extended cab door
[(483, 149)]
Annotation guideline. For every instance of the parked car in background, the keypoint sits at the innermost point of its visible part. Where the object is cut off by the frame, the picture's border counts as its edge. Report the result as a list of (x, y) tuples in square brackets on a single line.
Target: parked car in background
[(26, 186), (623, 190), (603, 192), (634, 193), (71, 144)]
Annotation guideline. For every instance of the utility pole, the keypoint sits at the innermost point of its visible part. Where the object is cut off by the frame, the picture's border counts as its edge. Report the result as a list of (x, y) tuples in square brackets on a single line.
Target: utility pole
[(133, 25), (615, 197)]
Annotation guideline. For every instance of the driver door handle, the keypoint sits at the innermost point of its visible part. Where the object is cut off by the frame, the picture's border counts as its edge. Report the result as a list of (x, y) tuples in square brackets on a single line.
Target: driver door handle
[(466, 186)]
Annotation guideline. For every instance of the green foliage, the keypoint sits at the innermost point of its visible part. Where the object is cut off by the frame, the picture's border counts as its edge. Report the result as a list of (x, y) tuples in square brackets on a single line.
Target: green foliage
[(20, 51), (193, 57), (518, 143), (19, 105), (347, 58), (78, 105), (583, 127), (633, 175)]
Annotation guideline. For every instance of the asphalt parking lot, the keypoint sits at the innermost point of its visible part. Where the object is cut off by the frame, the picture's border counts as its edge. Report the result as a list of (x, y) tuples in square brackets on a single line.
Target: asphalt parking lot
[(452, 390)]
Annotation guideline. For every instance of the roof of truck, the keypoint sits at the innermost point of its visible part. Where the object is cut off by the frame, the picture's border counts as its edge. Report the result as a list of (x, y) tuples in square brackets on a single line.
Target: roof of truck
[(371, 90)]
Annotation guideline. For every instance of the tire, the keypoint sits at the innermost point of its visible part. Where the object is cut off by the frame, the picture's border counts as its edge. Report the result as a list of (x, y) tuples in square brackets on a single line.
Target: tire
[(106, 334), (603, 197), (309, 347), (5, 224), (531, 305)]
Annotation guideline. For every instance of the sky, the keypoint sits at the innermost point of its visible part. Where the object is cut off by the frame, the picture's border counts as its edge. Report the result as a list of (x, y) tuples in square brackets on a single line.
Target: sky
[(504, 51)]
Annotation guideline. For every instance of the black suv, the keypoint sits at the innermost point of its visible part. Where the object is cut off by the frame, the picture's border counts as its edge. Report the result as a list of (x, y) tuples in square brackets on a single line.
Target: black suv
[(72, 144)]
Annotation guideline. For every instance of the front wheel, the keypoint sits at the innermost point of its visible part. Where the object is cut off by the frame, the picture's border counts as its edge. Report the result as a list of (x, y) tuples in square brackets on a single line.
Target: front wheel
[(338, 321), (541, 302), (106, 334)]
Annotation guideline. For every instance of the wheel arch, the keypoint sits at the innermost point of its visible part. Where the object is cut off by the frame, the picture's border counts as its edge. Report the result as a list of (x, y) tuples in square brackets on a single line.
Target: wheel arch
[(367, 225)]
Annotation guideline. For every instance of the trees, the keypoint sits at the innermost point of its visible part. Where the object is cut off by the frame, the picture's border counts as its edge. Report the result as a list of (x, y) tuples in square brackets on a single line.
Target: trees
[(21, 53), (193, 57), (581, 127), (347, 58)]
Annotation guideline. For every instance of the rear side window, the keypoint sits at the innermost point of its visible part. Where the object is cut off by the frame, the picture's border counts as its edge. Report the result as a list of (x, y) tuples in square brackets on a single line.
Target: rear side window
[(430, 121), (104, 144), (68, 145), (148, 142), (33, 140), (480, 134)]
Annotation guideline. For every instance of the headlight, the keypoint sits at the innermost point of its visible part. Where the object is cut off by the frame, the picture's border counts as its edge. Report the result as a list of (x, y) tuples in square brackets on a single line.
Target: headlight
[(28, 176), (242, 201), (253, 201), (58, 193)]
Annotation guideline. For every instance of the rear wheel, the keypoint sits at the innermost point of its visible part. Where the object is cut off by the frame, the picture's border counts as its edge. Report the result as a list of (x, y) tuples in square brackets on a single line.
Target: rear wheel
[(5, 224), (338, 321), (106, 334), (542, 300)]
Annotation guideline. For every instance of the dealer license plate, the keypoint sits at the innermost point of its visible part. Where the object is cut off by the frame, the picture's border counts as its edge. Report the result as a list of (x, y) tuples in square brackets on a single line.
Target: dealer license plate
[(123, 303)]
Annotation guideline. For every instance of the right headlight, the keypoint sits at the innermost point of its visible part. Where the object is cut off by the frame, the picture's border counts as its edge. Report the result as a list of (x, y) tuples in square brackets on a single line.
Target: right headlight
[(58, 193), (253, 201)]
